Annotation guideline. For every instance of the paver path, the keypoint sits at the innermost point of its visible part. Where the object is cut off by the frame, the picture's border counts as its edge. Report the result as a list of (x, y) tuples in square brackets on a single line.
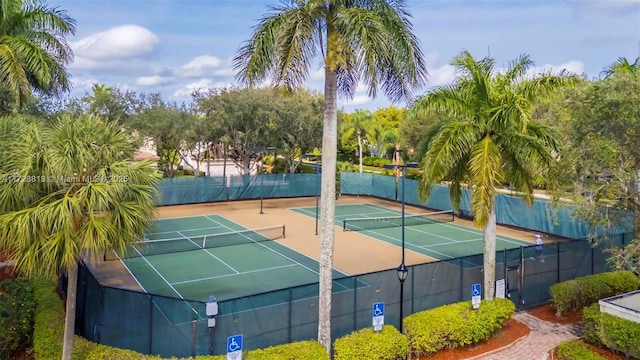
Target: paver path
[(543, 337)]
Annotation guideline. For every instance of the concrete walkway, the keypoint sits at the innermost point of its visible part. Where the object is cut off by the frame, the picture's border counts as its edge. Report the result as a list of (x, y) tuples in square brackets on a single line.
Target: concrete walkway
[(543, 337)]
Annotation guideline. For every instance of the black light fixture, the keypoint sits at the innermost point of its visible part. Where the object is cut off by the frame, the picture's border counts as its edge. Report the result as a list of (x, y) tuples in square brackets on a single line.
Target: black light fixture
[(402, 269), (402, 272)]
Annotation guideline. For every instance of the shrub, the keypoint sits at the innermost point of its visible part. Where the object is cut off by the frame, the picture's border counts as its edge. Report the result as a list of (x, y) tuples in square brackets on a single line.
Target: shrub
[(16, 315), (611, 331), (573, 295), (576, 350), (366, 344), (49, 321), (456, 325), (310, 350)]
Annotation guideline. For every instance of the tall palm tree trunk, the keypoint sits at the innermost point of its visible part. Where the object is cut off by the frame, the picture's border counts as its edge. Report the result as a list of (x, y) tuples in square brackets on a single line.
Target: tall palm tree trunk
[(70, 313), (489, 235), (327, 207)]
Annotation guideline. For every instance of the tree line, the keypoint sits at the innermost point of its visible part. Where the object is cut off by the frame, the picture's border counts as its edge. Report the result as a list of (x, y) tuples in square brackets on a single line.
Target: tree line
[(575, 138)]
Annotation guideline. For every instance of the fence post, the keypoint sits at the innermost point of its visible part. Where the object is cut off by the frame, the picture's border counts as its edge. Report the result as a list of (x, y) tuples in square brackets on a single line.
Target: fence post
[(557, 262), (413, 278), (521, 302), (290, 312), (355, 303), (461, 279), (151, 332)]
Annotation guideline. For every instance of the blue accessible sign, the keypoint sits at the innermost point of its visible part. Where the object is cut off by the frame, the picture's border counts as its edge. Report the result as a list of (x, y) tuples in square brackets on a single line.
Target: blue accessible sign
[(234, 347), (377, 313), (476, 295)]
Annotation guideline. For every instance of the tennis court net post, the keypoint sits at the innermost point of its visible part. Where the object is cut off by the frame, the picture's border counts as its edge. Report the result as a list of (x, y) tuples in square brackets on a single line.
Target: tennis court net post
[(362, 224), (174, 245)]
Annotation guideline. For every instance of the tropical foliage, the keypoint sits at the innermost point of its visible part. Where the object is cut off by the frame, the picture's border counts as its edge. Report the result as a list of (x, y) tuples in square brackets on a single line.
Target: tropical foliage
[(69, 191), (367, 42), (33, 50), (488, 139)]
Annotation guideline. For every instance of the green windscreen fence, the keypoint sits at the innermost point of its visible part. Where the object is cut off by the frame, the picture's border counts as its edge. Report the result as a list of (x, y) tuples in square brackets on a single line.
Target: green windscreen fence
[(165, 326), (189, 190), (510, 210)]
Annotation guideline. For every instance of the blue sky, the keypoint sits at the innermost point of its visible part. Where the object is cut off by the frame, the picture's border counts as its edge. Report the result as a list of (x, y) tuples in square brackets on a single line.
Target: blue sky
[(176, 46)]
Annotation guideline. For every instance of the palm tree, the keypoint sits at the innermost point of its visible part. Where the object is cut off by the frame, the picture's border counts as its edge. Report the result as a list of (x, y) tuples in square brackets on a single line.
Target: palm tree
[(33, 50), (368, 41), (622, 66), (70, 192), (488, 138), (359, 124)]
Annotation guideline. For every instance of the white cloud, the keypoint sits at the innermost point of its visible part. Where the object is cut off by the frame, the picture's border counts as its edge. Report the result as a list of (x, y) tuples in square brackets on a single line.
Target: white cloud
[(121, 42), (199, 66), (357, 100), (153, 80), (226, 72), (442, 75), (202, 84), (83, 83), (573, 66)]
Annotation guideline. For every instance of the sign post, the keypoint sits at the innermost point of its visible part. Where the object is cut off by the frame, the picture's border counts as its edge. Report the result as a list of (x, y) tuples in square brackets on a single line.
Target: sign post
[(378, 316), (476, 295), (234, 347)]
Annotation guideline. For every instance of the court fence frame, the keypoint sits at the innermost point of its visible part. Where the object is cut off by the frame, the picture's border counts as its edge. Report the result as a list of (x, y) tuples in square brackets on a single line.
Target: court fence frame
[(140, 321)]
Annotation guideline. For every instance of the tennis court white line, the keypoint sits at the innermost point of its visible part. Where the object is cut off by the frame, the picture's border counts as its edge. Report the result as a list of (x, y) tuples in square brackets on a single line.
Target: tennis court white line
[(227, 275), (207, 251), (130, 273), (174, 231), (159, 274), (498, 237), (413, 228), (270, 249), (457, 242), (406, 245), (462, 228)]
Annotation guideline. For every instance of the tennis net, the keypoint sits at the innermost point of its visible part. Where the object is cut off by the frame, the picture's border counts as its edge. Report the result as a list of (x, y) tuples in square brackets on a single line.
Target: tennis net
[(361, 224), (165, 246)]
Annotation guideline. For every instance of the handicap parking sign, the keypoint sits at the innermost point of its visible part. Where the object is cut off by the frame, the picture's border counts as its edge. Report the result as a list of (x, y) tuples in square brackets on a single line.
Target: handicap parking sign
[(234, 347), (377, 313), (476, 295)]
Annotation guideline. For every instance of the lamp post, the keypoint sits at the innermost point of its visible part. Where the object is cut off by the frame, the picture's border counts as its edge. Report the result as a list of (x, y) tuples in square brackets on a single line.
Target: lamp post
[(402, 269), (262, 151)]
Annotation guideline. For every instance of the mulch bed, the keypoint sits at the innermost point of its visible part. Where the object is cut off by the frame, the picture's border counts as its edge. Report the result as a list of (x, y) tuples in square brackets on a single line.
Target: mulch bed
[(548, 313), (510, 333)]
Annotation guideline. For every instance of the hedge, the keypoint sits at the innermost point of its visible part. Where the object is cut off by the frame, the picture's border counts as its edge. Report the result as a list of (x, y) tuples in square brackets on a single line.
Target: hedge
[(576, 350), (573, 295), (16, 315), (614, 332), (456, 325), (366, 344)]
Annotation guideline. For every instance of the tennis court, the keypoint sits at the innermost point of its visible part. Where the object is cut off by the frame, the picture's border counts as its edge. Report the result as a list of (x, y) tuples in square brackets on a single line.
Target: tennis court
[(194, 257), (433, 234)]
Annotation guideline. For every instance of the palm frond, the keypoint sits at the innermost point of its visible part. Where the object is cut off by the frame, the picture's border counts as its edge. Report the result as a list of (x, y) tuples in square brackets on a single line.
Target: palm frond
[(485, 174)]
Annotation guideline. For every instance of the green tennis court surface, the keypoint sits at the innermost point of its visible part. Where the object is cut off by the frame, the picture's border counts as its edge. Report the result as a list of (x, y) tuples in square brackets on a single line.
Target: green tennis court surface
[(227, 266), (433, 236)]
